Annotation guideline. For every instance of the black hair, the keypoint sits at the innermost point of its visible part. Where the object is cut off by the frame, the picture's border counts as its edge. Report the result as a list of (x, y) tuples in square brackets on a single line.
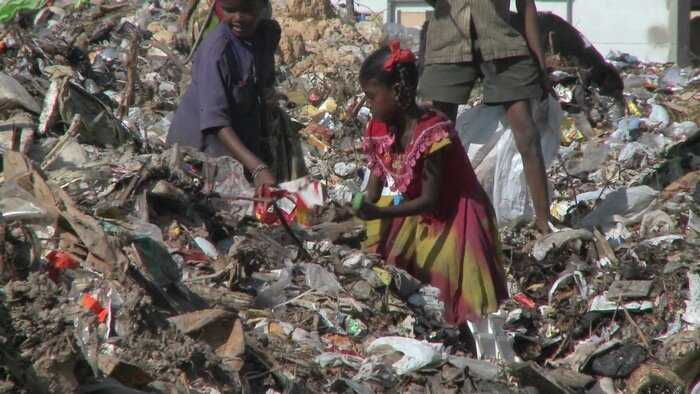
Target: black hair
[(403, 74), (254, 6)]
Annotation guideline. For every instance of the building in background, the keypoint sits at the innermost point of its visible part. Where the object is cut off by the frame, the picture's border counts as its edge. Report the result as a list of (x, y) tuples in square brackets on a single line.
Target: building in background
[(408, 13), (652, 30)]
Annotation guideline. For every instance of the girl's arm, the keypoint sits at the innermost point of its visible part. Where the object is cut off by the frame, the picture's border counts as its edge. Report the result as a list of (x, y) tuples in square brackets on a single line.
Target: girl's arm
[(374, 189), (229, 139), (426, 202)]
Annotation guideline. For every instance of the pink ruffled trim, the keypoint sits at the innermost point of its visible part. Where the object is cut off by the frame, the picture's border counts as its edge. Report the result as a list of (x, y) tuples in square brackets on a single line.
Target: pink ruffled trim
[(374, 166), (404, 176), (377, 148), (377, 145)]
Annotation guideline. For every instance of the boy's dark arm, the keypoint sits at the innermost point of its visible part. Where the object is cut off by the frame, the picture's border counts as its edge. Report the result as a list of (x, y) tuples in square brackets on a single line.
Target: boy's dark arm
[(230, 140), (268, 36), (532, 35), (528, 10)]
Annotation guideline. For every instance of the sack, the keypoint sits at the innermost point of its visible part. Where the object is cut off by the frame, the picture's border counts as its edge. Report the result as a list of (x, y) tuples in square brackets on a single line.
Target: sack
[(488, 140)]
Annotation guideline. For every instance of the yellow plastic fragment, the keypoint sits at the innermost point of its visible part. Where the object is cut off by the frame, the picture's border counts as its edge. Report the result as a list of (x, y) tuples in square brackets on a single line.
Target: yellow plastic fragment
[(384, 275)]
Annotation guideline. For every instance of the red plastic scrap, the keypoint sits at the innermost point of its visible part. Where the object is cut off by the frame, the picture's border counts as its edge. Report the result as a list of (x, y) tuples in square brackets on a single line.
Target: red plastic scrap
[(525, 301), (286, 201), (60, 261), (94, 306), (193, 256)]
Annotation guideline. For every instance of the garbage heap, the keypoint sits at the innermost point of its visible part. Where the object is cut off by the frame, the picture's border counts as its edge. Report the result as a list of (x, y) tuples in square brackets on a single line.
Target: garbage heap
[(130, 266)]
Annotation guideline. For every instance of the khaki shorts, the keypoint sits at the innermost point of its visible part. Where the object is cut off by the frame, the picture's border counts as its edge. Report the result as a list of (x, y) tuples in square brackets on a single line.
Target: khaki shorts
[(504, 80)]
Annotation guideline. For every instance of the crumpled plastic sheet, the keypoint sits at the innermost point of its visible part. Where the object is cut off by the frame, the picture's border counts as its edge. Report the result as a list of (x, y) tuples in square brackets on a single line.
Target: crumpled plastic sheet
[(581, 284), (274, 295), (321, 280), (417, 354), (18, 204), (692, 305), (492, 342), (624, 202), (326, 360)]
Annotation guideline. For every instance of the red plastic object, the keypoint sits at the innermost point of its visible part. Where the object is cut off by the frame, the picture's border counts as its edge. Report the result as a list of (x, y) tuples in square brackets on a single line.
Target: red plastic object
[(94, 306), (286, 201), (525, 301), (193, 256), (60, 261)]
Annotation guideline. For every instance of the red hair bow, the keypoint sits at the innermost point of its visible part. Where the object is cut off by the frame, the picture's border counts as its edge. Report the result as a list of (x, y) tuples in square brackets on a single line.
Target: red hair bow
[(398, 56)]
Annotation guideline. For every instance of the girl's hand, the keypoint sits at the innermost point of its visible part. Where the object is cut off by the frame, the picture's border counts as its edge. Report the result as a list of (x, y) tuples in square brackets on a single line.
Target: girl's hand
[(369, 212)]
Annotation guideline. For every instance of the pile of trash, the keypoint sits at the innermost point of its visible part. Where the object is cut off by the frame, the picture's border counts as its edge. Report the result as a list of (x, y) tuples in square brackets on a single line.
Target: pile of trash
[(130, 266)]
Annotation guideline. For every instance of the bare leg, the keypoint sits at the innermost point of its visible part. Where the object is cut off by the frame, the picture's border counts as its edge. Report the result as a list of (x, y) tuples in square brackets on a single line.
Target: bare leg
[(527, 140)]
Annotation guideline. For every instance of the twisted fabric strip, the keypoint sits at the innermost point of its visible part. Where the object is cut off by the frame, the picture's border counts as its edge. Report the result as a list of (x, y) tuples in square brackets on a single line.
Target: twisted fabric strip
[(218, 10)]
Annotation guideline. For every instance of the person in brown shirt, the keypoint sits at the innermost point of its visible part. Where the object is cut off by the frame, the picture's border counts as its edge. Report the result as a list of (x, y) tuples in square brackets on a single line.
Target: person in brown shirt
[(469, 40)]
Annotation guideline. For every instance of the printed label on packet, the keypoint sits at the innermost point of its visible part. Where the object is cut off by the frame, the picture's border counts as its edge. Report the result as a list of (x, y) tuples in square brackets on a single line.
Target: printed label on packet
[(287, 205)]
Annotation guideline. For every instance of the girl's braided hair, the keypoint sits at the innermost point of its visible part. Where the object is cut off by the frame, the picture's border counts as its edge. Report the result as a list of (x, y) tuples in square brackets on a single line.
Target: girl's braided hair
[(392, 66)]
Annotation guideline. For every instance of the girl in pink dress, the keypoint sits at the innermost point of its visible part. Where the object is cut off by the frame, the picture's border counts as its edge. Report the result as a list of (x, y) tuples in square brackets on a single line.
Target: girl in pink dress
[(443, 230)]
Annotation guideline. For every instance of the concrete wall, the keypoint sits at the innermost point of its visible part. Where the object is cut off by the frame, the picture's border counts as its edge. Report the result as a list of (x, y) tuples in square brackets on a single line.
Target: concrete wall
[(393, 8), (648, 29), (373, 5), (556, 6), (407, 7)]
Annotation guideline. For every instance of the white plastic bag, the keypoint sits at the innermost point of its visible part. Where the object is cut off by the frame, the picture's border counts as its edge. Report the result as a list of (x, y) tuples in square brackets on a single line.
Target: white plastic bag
[(18, 204), (692, 305), (417, 354), (622, 203), (489, 142)]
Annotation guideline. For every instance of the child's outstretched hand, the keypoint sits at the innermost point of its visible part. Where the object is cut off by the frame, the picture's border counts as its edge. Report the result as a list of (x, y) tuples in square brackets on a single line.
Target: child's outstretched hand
[(368, 212)]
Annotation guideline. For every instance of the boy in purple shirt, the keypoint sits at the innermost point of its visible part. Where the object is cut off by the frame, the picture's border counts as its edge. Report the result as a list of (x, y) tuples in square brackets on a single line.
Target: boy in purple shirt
[(221, 113)]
